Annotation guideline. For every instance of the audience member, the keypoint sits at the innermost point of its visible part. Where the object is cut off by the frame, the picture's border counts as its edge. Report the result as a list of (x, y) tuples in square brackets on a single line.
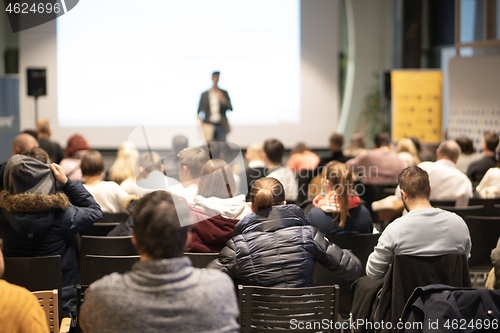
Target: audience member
[(151, 177), (302, 159), (424, 231), (489, 187), (75, 149), (20, 310), (218, 208), (109, 195), (35, 220), (380, 165), (356, 146), (448, 183), (125, 166), (476, 170), (162, 292), (179, 142), (31, 132), (495, 260), (37, 153), (339, 211), (467, 155), (56, 153), (407, 151), (21, 142), (275, 246), (273, 155), (191, 161), (336, 143), (256, 166)]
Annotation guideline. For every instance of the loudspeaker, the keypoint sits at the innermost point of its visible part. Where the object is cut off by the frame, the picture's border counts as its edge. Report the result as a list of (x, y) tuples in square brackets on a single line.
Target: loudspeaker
[(11, 60), (385, 84), (37, 82)]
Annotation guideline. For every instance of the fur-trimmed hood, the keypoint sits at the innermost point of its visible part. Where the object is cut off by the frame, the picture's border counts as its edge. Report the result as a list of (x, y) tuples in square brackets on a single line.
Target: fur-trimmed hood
[(33, 203), (31, 214)]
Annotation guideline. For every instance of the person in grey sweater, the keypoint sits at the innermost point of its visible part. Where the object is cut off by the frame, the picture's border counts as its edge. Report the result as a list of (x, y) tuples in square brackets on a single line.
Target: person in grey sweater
[(424, 231), (163, 292)]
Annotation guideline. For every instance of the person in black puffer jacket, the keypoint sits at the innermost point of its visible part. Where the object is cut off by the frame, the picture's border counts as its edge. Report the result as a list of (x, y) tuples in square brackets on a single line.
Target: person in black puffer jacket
[(277, 247)]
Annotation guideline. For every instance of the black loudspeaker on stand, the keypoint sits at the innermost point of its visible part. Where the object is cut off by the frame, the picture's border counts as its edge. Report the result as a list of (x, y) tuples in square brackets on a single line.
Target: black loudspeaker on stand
[(37, 85)]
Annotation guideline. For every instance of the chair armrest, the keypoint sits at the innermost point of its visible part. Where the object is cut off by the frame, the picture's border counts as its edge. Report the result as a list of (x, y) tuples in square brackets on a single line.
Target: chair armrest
[(65, 325)]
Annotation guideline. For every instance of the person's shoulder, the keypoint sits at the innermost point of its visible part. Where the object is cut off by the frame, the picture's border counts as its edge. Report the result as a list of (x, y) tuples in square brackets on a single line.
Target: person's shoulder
[(107, 283)]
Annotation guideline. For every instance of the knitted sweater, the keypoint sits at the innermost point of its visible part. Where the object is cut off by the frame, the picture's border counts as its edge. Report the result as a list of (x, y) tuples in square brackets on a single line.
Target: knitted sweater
[(20, 310), (166, 295)]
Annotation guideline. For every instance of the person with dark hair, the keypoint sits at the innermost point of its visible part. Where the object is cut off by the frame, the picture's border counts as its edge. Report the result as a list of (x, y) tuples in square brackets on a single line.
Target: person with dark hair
[(489, 187), (335, 146), (275, 246), (467, 154), (20, 310), (273, 156), (191, 162), (179, 142), (151, 176), (424, 231), (75, 149), (489, 144), (36, 220), (43, 128), (214, 103), (109, 195), (339, 211), (380, 165), (255, 168), (162, 292), (218, 208), (302, 160)]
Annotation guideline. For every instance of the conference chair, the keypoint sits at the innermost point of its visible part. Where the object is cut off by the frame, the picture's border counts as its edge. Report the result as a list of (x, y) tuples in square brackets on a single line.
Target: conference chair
[(80, 291), (99, 229), (407, 273), (443, 203), (465, 211), (361, 246), (266, 309), (35, 273), (107, 246), (201, 260), (491, 206), (49, 301), (113, 217), (94, 267), (484, 232), (374, 192)]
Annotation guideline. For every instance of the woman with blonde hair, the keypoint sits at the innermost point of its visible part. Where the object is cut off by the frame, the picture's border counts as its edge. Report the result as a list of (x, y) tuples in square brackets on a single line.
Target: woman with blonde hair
[(125, 164), (275, 246), (339, 211), (407, 151)]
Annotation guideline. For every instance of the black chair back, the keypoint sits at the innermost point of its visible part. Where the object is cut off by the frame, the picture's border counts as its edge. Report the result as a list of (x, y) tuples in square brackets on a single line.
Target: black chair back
[(487, 203), (27, 272), (99, 229), (443, 203), (106, 246), (201, 260), (375, 192), (80, 291), (484, 233), (273, 309), (465, 211), (361, 245), (94, 267), (113, 217)]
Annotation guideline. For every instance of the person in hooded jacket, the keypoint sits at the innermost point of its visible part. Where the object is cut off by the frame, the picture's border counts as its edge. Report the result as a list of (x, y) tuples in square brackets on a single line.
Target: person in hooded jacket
[(339, 211), (275, 246), (36, 220), (217, 208)]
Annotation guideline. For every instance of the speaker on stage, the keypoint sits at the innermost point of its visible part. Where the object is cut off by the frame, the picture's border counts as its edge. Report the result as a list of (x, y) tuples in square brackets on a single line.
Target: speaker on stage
[(37, 82)]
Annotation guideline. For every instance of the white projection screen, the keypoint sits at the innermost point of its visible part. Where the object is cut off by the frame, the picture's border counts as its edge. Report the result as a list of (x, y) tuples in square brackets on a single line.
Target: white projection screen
[(124, 64)]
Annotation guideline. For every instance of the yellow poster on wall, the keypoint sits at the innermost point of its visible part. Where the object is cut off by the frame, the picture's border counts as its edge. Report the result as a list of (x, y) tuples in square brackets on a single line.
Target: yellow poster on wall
[(417, 100)]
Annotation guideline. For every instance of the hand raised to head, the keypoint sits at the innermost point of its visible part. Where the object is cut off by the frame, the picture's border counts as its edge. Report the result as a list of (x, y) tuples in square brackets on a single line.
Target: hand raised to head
[(58, 173)]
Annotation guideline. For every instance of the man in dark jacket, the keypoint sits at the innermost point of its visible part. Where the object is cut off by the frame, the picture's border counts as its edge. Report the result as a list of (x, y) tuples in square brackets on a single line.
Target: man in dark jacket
[(35, 220), (277, 247)]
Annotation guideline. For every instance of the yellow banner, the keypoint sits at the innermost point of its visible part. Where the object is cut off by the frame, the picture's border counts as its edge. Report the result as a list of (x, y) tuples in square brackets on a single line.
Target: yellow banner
[(417, 105)]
